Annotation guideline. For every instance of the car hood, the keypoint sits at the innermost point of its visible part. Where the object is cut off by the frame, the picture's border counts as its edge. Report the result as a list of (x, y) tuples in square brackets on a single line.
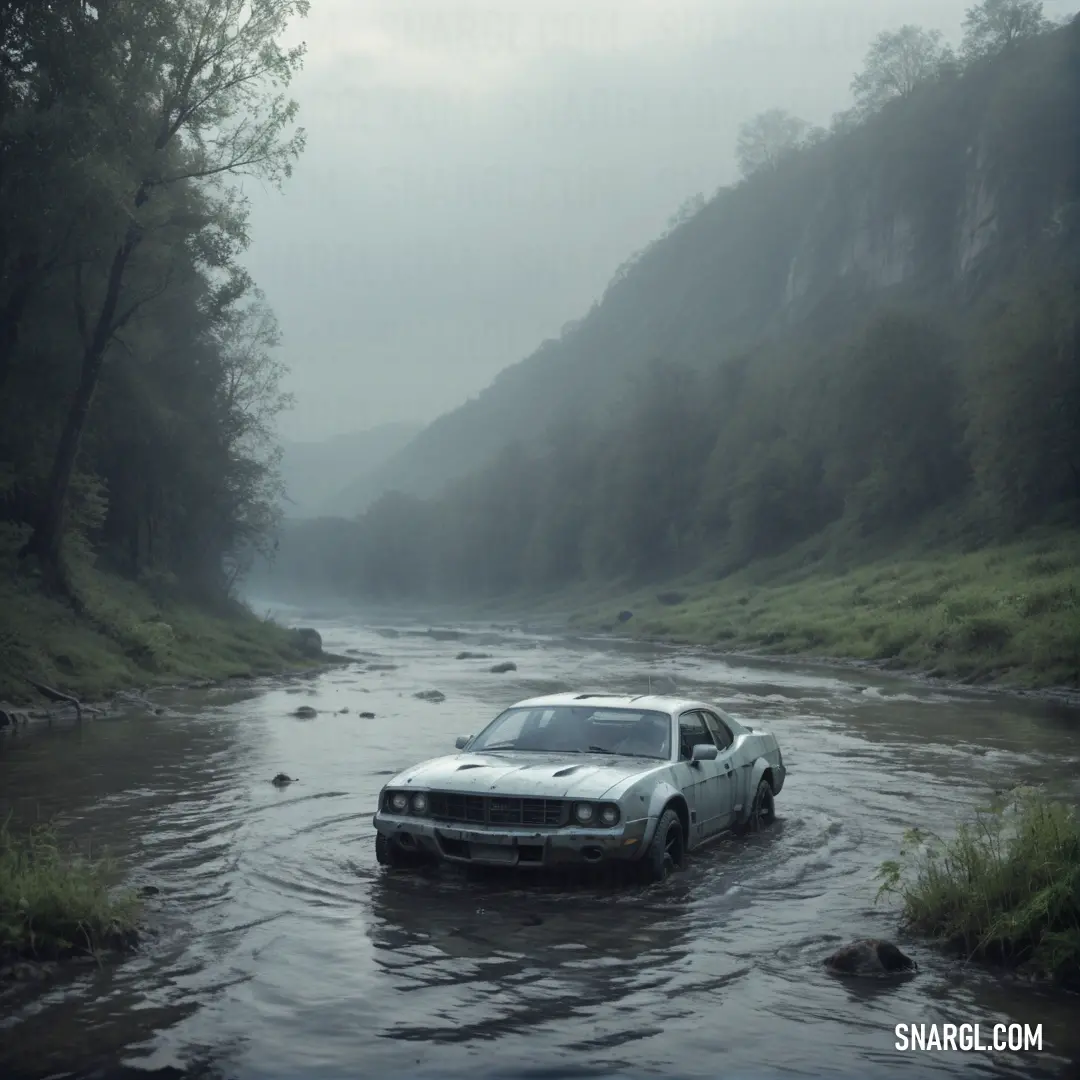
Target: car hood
[(551, 776)]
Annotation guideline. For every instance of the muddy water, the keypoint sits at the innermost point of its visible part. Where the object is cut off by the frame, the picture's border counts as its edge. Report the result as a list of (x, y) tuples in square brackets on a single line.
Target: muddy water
[(280, 948)]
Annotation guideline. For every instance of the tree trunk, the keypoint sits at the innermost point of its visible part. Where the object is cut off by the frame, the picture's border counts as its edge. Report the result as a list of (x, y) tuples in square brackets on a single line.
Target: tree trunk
[(24, 274), (49, 528)]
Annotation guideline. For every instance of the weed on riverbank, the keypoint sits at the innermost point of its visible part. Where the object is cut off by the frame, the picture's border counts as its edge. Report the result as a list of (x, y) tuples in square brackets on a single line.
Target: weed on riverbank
[(55, 903), (128, 636), (1005, 889), (1007, 614)]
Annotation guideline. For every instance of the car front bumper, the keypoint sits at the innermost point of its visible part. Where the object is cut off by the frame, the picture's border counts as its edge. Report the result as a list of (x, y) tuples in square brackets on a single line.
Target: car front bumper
[(487, 846)]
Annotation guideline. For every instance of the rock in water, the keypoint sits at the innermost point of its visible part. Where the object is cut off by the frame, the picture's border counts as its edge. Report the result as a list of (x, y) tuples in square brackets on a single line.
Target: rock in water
[(625, 616), (506, 665), (282, 779), (308, 641), (367, 716), (870, 957), (305, 712), (430, 695)]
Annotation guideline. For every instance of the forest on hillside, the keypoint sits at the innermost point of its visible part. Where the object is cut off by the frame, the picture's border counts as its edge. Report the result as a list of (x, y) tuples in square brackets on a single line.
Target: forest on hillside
[(865, 417), (138, 384)]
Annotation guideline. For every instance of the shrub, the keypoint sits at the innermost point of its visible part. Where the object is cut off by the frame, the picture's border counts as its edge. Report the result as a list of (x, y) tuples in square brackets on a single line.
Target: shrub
[(1005, 889), (54, 903)]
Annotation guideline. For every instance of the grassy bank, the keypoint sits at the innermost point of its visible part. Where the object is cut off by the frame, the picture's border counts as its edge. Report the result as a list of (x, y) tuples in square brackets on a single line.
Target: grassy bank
[(1005, 889), (56, 904), (128, 636), (1005, 614)]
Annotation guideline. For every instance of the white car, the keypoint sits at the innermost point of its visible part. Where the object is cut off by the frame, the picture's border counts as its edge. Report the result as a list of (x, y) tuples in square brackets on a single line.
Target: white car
[(584, 779)]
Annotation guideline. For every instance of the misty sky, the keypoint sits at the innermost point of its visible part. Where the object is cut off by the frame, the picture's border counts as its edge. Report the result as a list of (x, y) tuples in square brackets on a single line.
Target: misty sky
[(475, 172)]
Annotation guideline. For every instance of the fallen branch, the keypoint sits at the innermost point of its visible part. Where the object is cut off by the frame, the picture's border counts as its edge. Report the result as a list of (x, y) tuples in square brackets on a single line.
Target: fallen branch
[(56, 695)]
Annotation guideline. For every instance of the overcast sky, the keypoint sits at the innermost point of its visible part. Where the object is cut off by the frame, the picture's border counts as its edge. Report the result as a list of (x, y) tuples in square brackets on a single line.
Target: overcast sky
[(475, 172)]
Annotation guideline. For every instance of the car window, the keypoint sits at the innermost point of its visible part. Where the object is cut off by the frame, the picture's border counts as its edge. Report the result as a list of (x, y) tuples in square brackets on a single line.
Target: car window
[(721, 734), (579, 730), (692, 731)]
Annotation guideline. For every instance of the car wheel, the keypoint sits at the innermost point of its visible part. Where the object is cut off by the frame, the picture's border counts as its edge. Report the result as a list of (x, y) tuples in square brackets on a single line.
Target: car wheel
[(665, 852), (762, 809), (387, 853)]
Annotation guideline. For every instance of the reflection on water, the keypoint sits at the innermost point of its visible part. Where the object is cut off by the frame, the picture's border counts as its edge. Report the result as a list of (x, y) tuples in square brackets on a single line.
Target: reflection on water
[(280, 947)]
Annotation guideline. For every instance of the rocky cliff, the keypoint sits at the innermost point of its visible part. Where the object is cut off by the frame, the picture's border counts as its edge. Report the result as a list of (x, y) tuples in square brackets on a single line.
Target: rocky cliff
[(932, 201)]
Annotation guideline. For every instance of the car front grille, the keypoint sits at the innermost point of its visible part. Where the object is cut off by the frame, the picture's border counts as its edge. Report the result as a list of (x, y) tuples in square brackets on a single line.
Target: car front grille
[(497, 810)]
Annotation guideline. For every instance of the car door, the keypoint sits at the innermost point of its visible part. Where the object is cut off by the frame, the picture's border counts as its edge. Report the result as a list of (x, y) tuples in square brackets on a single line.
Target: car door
[(701, 781), (727, 768)]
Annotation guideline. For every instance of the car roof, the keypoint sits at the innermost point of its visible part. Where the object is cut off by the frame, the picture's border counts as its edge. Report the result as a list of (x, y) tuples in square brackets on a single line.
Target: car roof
[(652, 702)]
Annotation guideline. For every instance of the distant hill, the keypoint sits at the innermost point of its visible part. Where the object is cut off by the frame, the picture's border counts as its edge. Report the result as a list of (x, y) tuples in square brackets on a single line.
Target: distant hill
[(929, 202), (327, 478)]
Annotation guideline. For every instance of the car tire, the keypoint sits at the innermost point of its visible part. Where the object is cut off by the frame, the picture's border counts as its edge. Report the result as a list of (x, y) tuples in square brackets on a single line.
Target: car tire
[(762, 809), (387, 853), (666, 850)]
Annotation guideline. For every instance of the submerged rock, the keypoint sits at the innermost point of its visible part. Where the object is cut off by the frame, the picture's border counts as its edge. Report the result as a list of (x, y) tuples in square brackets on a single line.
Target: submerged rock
[(500, 669), (473, 656), (12, 717), (625, 616), (305, 712), (870, 957), (307, 641), (430, 695), (282, 779)]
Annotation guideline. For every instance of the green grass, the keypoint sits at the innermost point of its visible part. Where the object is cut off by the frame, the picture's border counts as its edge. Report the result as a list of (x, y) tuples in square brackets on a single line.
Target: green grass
[(1007, 614), (1005, 889), (127, 638), (56, 903)]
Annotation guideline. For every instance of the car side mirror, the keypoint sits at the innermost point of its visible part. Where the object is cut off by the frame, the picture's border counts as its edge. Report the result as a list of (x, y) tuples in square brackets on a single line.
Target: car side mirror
[(462, 741), (704, 752)]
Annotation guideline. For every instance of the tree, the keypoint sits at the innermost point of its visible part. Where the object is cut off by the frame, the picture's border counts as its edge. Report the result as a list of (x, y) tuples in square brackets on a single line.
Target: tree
[(995, 25), (896, 63), (690, 207), (895, 451), (192, 97), (766, 139), (1024, 402)]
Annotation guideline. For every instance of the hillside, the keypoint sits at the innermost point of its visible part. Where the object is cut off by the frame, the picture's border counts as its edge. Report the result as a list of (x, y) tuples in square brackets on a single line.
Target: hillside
[(826, 414), (932, 199), (329, 477)]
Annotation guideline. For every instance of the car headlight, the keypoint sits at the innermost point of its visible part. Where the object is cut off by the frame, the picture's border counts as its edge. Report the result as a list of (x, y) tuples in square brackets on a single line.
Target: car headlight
[(399, 801), (609, 814), (584, 812), (419, 803)]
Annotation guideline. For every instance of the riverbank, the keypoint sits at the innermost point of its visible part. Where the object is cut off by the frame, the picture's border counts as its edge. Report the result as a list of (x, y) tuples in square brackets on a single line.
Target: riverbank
[(128, 639), (1004, 617)]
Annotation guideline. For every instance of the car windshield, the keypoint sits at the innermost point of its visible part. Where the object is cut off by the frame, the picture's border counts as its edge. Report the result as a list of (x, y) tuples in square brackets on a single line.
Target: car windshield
[(572, 729)]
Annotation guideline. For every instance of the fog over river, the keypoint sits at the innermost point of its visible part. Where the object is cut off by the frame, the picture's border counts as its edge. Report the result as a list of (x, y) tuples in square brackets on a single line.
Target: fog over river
[(279, 948)]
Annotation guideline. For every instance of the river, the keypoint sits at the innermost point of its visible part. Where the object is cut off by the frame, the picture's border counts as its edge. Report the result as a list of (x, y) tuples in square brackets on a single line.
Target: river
[(280, 948)]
